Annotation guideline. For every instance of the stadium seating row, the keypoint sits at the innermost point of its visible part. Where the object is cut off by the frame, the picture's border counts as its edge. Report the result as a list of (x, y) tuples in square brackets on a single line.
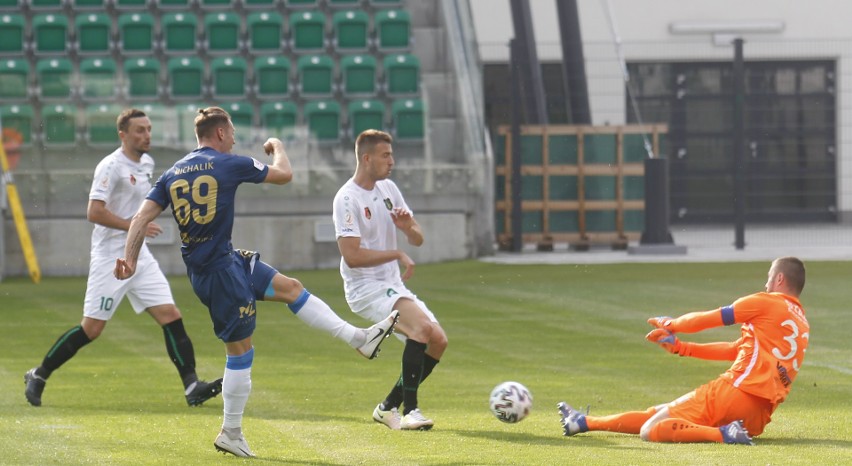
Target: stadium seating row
[(121, 5), (218, 33), (188, 78), (62, 124)]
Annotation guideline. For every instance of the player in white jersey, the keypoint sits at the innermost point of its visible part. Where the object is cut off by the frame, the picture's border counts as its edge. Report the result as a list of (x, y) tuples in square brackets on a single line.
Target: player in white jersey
[(368, 211), (121, 181)]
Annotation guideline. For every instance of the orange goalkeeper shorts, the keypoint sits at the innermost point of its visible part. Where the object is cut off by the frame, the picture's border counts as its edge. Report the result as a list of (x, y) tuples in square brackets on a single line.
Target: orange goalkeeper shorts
[(718, 403)]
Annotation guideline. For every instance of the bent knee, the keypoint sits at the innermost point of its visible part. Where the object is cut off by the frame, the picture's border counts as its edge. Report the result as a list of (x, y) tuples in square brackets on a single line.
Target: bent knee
[(438, 338)]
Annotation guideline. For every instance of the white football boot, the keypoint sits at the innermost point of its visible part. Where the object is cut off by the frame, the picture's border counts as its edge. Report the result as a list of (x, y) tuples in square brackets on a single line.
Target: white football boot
[(415, 420), (390, 418), (235, 446), (377, 334)]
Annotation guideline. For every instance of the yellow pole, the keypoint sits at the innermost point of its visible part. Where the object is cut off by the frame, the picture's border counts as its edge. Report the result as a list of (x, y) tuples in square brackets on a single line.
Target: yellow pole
[(20, 220)]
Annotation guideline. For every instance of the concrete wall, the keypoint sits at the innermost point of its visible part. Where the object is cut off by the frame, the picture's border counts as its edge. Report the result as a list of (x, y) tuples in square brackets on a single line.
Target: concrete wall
[(286, 242)]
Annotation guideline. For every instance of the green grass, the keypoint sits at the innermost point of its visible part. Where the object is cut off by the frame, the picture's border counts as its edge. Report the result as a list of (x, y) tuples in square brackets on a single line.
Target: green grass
[(567, 332)]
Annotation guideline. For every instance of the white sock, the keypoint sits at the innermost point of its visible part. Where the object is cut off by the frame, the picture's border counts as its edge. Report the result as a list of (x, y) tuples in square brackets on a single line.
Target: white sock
[(316, 313), (236, 388)]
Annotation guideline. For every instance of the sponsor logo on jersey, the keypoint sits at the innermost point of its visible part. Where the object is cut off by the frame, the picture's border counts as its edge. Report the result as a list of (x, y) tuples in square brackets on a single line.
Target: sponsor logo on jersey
[(367, 213), (388, 203), (347, 219), (391, 292), (132, 179)]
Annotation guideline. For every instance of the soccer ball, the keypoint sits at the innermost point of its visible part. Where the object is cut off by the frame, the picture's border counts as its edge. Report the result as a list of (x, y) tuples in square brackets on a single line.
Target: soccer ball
[(511, 402)]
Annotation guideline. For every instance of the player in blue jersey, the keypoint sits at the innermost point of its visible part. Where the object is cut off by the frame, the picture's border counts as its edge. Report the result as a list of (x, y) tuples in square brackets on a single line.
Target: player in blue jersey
[(201, 189)]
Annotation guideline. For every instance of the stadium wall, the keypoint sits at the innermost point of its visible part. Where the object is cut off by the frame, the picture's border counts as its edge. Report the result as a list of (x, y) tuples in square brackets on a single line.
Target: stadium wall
[(813, 30)]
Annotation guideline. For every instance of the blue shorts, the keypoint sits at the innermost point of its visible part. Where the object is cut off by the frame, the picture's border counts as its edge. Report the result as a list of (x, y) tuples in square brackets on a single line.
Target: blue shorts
[(230, 294)]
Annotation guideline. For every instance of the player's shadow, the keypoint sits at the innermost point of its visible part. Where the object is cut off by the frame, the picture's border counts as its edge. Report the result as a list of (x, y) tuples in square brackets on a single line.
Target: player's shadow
[(531, 439), (804, 442)]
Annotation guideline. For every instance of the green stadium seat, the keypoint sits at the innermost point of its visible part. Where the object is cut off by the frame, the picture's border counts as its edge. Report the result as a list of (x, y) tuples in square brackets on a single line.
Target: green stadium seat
[(315, 74), (163, 121), (408, 118), (183, 5), (180, 31), (14, 78), (100, 125), (384, 3), (271, 76), (364, 115), (53, 78), (307, 31), (242, 116), (136, 33), (12, 28), (222, 32), (358, 73), (186, 78), (393, 29), (50, 33), (401, 74), (259, 4), (20, 118), (278, 119), (351, 30), (84, 5), (94, 33), (323, 119), (211, 5), (12, 5), (98, 78), (59, 125), (142, 78), (45, 5), (126, 5), (264, 31), (228, 77), (185, 114)]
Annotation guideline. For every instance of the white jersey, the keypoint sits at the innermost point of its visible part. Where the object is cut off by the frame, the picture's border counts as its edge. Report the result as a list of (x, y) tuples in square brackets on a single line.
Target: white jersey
[(122, 184), (367, 215)]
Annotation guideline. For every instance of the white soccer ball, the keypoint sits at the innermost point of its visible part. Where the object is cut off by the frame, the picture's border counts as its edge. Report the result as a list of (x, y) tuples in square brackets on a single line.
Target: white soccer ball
[(510, 401)]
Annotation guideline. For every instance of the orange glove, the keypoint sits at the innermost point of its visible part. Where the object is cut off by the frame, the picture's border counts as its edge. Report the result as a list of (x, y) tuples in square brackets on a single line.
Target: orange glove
[(661, 322), (667, 340)]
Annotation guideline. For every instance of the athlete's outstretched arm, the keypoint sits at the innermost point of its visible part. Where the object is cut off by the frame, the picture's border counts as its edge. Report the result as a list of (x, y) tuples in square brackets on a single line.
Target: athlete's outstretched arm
[(125, 267), (695, 321), (717, 351)]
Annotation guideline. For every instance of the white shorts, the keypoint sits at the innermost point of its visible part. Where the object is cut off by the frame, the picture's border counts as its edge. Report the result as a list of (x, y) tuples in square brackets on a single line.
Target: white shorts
[(148, 287), (375, 302)]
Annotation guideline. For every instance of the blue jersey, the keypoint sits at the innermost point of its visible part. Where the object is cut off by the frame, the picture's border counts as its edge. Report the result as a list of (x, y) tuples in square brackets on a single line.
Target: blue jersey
[(201, 188)]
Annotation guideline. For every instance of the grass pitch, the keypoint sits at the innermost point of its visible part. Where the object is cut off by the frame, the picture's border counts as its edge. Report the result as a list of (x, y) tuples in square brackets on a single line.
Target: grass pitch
[(567, 332)]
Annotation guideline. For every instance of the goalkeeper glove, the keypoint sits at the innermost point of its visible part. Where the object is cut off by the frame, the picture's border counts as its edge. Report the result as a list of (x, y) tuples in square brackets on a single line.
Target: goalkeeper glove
[(664, 322), (667, 340)]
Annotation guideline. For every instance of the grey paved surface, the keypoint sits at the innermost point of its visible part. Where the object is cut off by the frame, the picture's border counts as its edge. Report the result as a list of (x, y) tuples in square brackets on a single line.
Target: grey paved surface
[(711, 244)]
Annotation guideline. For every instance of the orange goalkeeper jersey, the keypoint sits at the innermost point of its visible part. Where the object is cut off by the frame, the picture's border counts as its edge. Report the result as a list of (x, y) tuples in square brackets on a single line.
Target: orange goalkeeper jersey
[(772, 347)]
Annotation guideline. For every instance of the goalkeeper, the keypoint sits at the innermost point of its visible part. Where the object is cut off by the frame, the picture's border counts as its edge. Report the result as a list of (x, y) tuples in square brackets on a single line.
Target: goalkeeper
[(740, 402)]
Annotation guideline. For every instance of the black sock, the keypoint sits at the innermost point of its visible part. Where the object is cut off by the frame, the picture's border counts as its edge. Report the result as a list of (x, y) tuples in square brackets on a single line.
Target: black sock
[(180, 351), (412, 371), (64, 349), (394, 398)]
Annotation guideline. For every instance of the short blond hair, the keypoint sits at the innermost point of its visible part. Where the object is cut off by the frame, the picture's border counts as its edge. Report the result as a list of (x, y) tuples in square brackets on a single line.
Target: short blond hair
[(208, 119), (368, 139)]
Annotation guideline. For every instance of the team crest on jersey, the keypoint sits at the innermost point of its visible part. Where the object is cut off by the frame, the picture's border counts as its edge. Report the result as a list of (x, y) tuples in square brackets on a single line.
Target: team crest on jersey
[(388, 203), (367, 213), (132, 179)]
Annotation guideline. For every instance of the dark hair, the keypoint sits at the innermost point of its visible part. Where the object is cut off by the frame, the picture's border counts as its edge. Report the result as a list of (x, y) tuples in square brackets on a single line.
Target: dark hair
[(209, 119), (368, 139), (794, 272), (123, 120)]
